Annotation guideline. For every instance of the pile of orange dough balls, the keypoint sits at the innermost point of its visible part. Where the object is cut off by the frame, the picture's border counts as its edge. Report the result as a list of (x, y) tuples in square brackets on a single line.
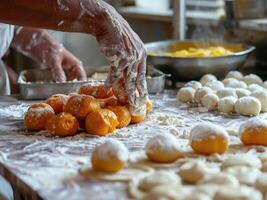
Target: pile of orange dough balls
[(97, 109)]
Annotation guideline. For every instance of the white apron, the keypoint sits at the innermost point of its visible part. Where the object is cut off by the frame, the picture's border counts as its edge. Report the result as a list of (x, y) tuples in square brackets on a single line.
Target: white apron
[(6, 36)]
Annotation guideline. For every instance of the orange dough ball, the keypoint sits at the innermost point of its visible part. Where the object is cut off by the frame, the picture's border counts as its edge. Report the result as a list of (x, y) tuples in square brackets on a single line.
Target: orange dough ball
[(135, 119), (254, 132), (110, 156), (81, 105), (101, 122), (36, 116), (57, 102), (207, 138), (63, 124), (123, 115), (96, 90), (120, 91), (149, 106), (111, 101)]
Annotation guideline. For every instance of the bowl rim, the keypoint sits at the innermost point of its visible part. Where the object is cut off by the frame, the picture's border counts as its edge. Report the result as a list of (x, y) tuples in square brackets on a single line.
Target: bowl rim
[(247, 49)]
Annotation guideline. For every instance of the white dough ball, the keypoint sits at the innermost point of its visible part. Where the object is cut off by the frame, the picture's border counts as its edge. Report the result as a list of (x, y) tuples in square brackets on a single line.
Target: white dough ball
[(252, 78), (228, 81), (221, 179), (201, 92), (163, 148), (264, 84), (255, 87), (235, 74), (242, 92), (262, 97), (186, 95), (193, 84), (227, 104), (215, 85), (248, 106), (226, 92), (210, 101), (207, 78)]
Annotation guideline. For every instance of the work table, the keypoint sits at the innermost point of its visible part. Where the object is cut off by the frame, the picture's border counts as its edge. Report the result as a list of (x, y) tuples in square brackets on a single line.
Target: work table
[(39, 165)]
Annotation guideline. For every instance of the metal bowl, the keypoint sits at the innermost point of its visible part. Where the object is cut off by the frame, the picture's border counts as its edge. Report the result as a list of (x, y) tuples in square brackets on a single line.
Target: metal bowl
[(185, 69)]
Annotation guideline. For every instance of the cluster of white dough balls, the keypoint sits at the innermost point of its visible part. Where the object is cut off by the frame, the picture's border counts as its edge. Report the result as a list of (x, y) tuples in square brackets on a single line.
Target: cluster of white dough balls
[(245, 95)]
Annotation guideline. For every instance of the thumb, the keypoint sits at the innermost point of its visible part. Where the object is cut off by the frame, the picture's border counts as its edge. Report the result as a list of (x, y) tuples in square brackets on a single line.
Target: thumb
[(58, 73)]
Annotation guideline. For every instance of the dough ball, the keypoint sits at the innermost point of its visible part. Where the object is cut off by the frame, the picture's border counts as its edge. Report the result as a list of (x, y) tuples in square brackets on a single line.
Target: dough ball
[(159, 178), (207, 138), (226, 92), (163, 148), (186, 95), (262, 97), (252, 78), (248, 106), (264, 84), (220, 179), (235, 74), (254, 132), (233, 83), (210, 101), (167, 192), (201, 92), (227, 104), (192, 171), (110, 156), (255, 87), (248, 160), (215, 85), (261, 183), (207, 78), (245, 175), (242, 92), (237, 193), (208, 189), (193, 84)]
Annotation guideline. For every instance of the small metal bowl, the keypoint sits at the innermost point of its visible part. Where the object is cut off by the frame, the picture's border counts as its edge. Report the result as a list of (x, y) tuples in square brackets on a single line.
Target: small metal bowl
[(155, 81), (185, 69)]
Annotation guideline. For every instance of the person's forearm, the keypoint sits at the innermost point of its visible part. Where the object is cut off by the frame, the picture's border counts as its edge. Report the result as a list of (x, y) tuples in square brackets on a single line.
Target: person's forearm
[(34, 43), (62, 15)]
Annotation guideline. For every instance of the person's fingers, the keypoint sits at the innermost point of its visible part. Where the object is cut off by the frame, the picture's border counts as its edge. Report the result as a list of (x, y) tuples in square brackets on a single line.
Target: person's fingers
[(141, 79), (130, 75), (79, 71), (111, 76), (58, 73)]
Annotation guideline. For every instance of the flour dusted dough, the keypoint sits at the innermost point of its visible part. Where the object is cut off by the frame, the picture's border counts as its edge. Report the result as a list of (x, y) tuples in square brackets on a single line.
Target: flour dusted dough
[(233, 83), (235, 74), (227, 104), (261, 183), (186, 94), (237, 193), (248, 106), (159, 178), (252, 78), (219, 179), (255, 87), (194, 170), (262, 97), (124, 175), (163, 148), (210, 101), (248, 160), (166, 192), (226, 92), (201, 92), (207, 78), (215, 85), (193, 84), (245, 175), (242, 92)]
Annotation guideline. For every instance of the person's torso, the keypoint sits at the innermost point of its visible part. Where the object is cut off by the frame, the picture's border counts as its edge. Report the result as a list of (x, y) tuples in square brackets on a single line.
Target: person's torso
[(6, 36)]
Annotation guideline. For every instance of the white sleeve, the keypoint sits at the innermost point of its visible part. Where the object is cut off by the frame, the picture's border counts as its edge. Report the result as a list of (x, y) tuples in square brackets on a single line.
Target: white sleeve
[(6, 36)]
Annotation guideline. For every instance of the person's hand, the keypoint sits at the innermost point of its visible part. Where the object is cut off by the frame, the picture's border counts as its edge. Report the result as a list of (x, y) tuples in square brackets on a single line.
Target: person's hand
[(122, 46), (39, 45), (58, 60)]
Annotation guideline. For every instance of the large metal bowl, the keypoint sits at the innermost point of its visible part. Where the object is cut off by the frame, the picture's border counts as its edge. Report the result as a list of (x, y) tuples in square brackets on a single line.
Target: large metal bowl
[(185, 69)]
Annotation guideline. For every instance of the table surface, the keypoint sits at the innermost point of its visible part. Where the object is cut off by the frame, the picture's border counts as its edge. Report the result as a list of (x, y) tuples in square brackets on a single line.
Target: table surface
[(38, 165)]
